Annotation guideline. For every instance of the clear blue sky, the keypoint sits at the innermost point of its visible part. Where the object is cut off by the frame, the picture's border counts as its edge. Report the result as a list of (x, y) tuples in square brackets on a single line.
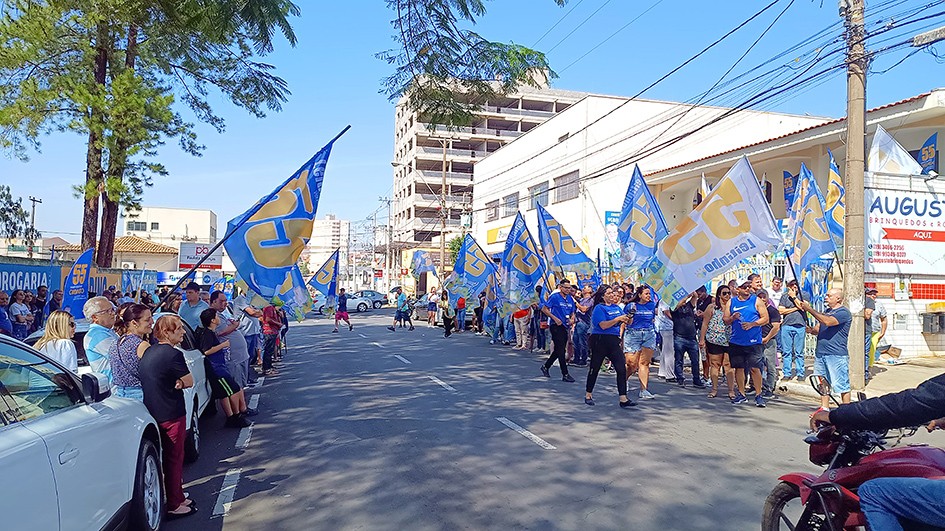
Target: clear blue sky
[(335, 81)]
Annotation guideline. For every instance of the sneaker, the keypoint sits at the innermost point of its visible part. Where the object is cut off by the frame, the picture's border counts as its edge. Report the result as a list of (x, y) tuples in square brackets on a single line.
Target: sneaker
[(250, 412), (391, 328), (699, 385), (644, 394), (670, 380), (566, 378), (801, 379), (350, 328), (768, 395), (628, 403), (589, 401), (739, 399), (335, 331), (492, 341), (760, 402), (410, 329), (544, 372), (681, 383)]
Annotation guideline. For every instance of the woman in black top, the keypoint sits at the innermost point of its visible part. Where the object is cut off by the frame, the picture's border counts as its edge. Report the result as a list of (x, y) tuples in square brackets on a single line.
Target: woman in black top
[(164, 376)]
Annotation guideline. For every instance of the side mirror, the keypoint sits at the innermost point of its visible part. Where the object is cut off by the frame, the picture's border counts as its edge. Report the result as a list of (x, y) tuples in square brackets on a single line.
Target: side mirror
[(95, 386), (820, 384)]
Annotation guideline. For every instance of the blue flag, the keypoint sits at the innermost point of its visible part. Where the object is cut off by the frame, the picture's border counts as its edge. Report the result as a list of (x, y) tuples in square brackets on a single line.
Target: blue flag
[(265, 241), (421, 263), (814, 280), (641, 225), (325, 280), (790, 184), (928, 156), (471, 273), (835, 205), (76, 287), (810, 237), (561, 251), (521, 270)]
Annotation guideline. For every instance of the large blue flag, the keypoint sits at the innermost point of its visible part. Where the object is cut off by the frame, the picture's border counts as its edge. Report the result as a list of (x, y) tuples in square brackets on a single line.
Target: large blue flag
[(76, 287), (561, 251), (641, 226), (421, 263), (790, 184), (325, 280), (521, 270), (471, 273), (265, 242), (835, 206), (815, 279), (810, 238)]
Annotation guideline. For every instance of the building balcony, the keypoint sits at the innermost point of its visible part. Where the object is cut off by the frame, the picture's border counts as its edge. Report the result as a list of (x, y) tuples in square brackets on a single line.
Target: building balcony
[(510, 111), (468, 132), (436, 177)]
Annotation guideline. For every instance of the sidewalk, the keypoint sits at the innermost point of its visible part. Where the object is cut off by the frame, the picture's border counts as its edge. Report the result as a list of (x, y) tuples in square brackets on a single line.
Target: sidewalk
[(886, 378)]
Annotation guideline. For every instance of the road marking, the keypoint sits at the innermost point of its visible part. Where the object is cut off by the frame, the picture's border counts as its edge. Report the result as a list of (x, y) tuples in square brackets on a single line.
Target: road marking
[(363, 336), (259, 382), (245, 435), (527, 434), (442, 384), (378, 345), (227, 491), (254, 401), (401, 358)]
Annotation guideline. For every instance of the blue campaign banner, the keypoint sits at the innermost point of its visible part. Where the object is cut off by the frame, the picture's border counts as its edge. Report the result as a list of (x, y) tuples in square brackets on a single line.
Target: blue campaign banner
[(29, 277), (928, 155), (75, 289), (790, 184), (142, 281)]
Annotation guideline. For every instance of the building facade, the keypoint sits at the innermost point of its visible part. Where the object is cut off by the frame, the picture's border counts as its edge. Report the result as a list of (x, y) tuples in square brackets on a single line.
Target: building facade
[(422, 155), (170, 226), (328, 234)]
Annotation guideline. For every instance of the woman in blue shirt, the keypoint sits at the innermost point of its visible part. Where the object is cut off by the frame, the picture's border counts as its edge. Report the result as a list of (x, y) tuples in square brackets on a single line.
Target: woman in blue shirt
[(639, 342), (606, 320)]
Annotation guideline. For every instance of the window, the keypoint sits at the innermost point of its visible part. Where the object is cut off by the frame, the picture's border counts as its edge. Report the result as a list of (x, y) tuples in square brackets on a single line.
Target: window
[(492, 210), (155, 225), (567, 187), (31, 387), (538, 195), (137, 226), (510, 205)]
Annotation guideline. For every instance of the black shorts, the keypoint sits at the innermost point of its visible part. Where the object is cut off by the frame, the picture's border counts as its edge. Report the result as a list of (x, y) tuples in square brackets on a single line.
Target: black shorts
[(715, 350), (223, 386), (746, 356)]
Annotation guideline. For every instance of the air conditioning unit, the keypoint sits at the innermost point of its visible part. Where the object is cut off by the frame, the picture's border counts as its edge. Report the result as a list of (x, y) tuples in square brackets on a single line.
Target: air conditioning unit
[(127, 265)]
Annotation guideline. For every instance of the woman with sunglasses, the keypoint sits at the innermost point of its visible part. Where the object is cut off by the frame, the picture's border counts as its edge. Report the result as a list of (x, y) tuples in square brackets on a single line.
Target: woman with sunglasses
[(133, 325), (56, 342), (714, 339), (604, 342)]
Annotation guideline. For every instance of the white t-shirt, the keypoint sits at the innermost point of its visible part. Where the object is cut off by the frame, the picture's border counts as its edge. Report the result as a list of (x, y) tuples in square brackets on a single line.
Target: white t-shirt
[(18, 309), (63, 351), (775, 296)]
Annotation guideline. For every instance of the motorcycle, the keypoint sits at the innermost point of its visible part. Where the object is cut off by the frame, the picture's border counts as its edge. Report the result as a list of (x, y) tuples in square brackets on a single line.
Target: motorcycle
[(829, 502)]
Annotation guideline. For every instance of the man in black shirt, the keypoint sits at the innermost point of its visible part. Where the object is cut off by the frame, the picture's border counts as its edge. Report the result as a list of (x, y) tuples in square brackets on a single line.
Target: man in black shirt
[(684, 341), (703, 301)]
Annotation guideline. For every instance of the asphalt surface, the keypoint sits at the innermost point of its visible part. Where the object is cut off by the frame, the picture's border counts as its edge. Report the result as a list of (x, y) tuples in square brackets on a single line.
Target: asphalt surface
[(350, 436)]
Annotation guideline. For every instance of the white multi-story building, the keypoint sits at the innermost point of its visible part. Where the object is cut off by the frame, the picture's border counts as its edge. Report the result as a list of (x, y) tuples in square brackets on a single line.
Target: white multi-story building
[(578, 164), (328, 234), (170, 226), (421, 153)]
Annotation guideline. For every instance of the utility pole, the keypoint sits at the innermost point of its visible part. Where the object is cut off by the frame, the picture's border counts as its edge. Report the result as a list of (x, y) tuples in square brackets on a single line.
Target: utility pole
[(388, 266), (853, 253), (31, 241), (373, 250)]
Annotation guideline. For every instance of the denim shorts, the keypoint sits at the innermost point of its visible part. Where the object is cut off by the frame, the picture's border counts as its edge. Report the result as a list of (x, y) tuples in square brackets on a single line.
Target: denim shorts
[(836, 369), (129, 392), (636, 339)]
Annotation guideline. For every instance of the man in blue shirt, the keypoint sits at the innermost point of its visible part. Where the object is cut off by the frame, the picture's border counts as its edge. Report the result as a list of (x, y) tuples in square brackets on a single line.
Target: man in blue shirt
[(748, 314), (831, 358), (341, 313), (191, 308), (6, 326), (560, 309)]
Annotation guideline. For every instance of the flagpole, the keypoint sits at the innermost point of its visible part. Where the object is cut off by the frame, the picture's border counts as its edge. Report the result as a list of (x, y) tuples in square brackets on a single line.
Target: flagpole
[(797, 279), (236, 227), (839, 267)]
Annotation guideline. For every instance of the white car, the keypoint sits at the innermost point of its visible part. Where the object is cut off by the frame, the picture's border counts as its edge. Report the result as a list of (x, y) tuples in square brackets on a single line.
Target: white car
[(72, 456), (355, 304), (196, 398)]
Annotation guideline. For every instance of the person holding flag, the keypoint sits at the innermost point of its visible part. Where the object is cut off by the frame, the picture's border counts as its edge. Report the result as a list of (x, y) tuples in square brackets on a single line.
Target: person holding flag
[(560, 308), (341, 312)]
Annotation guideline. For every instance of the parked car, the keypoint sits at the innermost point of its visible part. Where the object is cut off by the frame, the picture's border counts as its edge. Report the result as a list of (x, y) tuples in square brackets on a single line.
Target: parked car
[(197, 398), (355, 304), (377, 298), (73, 456)]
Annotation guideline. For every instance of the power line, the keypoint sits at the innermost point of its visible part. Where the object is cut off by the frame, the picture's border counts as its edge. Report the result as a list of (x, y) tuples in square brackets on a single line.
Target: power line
[(555, 25), (612, 35), (579, 26)]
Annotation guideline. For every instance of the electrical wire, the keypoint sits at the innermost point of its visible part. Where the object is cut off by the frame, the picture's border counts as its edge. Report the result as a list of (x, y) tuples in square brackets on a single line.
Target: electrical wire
[(611, 36), (579, 26), (555, 25)]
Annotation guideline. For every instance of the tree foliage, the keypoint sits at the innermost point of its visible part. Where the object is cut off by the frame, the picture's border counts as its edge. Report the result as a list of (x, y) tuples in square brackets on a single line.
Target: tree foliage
[(447, 71), (122, 73), (14, 220), (454, 246)]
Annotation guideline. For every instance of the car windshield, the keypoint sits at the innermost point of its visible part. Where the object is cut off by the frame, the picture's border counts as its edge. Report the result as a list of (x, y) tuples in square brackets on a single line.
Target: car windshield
[(30, 385)]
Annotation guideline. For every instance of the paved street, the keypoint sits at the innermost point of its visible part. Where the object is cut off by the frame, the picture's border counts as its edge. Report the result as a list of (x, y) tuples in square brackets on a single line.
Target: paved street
[(351, 436)]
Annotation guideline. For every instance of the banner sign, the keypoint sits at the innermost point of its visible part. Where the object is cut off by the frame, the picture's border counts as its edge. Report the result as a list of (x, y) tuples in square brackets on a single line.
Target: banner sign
[(905, 232), (191, 253), (135, 281), (611, 231), (75, 291), (29, 277), (928, 155)]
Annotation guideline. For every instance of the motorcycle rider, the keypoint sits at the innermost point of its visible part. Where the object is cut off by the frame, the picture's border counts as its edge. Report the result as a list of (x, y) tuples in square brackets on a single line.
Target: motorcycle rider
[(885, 500)]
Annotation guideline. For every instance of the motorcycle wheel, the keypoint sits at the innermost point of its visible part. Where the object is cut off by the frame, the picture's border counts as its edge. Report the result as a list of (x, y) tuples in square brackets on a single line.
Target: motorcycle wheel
[(783, 508)]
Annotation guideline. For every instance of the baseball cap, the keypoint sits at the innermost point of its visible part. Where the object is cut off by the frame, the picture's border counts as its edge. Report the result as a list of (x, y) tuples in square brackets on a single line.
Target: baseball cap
[(871, 290), (742, 281)]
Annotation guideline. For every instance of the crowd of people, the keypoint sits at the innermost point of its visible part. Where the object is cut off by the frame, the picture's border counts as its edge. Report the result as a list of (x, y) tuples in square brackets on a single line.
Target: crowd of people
[(745, 340), (131, 340)]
